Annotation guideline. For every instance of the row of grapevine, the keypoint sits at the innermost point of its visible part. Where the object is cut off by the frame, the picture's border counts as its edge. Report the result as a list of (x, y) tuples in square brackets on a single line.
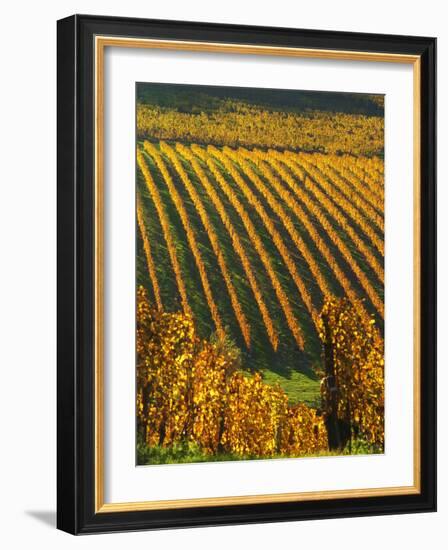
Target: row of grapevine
[(241, 124), (236, 241), (264, 256), (300, 190), (360, 183), (286, 220), (358, 200), (335, 213), (315, 183), (375, 169), (148, 254), (239, 314), (317, 211), (330, 174), (190, 233), (312, 231), (367, 174), (278, 241), (165, 224)]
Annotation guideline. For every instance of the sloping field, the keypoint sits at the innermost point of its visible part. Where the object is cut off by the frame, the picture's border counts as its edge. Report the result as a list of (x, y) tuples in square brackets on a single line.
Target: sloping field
[(249, 242)]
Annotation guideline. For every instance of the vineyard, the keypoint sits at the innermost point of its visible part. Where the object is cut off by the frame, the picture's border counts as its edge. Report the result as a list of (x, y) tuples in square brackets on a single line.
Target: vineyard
[(250, 243)]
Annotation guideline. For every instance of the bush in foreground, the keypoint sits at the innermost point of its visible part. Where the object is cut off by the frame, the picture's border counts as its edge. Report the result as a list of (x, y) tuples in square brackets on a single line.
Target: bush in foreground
[(190, 391)]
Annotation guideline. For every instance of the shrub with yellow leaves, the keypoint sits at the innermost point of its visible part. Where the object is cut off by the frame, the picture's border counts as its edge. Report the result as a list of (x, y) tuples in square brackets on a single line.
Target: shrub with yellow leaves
[(209, 374), (190, 389), (253, 417), (180, 379), (304, 432), (353, 390)]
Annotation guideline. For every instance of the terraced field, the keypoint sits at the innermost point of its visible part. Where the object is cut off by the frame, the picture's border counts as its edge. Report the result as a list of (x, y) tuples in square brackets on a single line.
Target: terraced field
[(250, 242)]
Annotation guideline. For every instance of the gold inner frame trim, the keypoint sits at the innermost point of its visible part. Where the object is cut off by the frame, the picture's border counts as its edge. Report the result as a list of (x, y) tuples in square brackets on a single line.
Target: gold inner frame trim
[(101, 42)]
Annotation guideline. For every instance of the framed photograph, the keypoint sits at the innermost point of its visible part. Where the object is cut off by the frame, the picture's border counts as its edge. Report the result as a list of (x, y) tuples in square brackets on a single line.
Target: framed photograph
[(246, 274)]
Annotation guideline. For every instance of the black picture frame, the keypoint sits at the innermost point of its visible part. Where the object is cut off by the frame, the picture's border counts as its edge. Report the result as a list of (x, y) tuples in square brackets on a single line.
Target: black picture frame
[(76, 272)]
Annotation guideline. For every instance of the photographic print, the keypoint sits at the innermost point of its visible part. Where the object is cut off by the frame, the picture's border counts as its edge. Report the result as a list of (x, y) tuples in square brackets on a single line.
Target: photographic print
[(260, 273), (221, 274)]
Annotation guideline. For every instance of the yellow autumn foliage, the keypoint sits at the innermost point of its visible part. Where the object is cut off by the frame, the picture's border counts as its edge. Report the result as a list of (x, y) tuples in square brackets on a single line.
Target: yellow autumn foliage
[(188, 389), (254, 416), (252, 126), (191, 390), (304, 432), (357, 351)]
